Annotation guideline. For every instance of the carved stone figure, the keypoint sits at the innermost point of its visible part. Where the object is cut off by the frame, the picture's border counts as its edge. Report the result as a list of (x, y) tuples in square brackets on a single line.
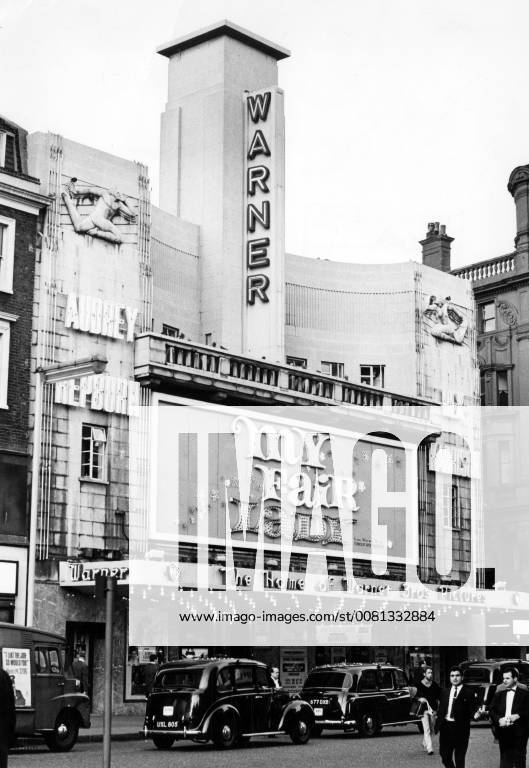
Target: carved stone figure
[(508, 312), (449, 323), (107, 205)]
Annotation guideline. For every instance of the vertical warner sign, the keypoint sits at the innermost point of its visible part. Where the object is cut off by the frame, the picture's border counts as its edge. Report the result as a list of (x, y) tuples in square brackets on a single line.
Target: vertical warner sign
[(264, 228)]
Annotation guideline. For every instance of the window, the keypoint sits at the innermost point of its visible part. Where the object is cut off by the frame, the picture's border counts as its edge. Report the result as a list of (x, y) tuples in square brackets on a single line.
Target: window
[(332, 369), (368, 681), (400, 679), (170, 330), (208, 339), (181, 679), (297, 362), (8, 152), (5, 332), (456, 505), (262, 678), (373, 375), (502, 388), (41, 661), (55, 663), (224, 683), (243, 678), (7, 252), (93, 452), (487, 314), (385, 680)]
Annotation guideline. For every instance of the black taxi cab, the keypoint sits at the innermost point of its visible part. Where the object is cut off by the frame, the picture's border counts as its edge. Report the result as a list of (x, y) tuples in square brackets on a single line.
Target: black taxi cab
[(358, 697), (225, 701), (47, 700)]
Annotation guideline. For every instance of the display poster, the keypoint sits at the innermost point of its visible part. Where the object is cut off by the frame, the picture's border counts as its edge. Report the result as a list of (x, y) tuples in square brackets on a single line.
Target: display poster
[(17, 664), (293, 668)]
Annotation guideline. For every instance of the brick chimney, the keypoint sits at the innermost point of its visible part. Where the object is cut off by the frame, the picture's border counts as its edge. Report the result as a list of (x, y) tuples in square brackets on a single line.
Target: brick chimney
[(518, 186), (436, 247)]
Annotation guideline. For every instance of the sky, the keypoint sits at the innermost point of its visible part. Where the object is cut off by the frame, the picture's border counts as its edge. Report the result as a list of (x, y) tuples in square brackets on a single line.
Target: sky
[(398, 112)]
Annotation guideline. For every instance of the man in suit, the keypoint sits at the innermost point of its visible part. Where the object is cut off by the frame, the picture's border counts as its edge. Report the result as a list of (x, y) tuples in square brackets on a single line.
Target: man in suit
[(149, 673), (509, 714), (80, 671), (457, 708), (7, 716)]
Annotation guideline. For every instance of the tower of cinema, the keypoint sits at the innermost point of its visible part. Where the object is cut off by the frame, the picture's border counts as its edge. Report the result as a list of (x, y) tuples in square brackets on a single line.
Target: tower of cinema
[(197, 301)]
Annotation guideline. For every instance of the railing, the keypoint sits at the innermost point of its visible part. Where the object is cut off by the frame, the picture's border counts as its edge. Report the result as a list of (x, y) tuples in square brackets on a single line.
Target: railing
[(188, 357), (159, 357), (487, 269)]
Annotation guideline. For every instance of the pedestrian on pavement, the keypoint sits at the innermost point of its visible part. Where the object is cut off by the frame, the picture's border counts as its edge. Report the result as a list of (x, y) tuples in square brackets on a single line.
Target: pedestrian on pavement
[(275, 676), (430, 692), (457, 708), (7, 716), (149, 673), (509, 714), (80, 671)]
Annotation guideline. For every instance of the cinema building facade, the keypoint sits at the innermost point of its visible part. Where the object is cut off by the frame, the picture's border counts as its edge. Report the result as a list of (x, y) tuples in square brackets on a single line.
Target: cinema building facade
[(197, 301)]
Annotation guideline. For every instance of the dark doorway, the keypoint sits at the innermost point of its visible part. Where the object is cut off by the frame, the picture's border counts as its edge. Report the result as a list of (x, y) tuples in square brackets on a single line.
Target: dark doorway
[(83, 636)]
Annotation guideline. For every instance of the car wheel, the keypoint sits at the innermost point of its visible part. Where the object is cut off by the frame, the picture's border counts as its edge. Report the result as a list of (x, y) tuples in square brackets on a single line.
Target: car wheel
[(161, 741), (316, 731), (299, 730), (225, 732), (64, 735), (369, 725)]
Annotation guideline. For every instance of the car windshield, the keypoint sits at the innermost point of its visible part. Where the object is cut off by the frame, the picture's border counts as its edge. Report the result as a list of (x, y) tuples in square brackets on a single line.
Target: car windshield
[(179, 679), (327, 679), (476, 675)]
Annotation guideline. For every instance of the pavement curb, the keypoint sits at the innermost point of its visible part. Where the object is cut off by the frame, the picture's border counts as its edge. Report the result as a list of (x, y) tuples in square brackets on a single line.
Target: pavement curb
[(98, 737)]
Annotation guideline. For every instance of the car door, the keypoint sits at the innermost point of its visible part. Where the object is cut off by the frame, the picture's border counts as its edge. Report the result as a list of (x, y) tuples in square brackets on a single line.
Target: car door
[(389, 699), (244, 693), (49, 684), (262, 700), (402, 696)]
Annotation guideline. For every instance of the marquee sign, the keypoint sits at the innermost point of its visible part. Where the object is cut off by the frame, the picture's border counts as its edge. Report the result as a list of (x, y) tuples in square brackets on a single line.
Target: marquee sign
[(99, 393), (74, 573), (264, 221), (101, 318)]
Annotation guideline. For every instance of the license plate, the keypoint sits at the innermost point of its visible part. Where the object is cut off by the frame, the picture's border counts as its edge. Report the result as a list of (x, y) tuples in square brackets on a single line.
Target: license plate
[(168, 711), (318, 711)]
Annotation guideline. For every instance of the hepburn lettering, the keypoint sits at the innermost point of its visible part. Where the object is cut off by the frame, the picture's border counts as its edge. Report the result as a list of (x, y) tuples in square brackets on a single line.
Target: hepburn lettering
[(99, 393)]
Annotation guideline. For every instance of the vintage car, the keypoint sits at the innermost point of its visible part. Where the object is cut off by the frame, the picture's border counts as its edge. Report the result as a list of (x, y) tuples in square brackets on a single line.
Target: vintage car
[(48, 702), (485, 676), (358, 697), (225, 701)]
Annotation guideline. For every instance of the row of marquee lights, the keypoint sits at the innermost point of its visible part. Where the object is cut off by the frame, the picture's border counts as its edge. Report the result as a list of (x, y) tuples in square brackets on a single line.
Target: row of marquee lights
[(257, 179)]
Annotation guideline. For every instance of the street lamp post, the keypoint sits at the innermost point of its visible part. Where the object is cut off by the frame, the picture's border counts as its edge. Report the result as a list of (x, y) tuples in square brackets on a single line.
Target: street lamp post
[(48, 375)]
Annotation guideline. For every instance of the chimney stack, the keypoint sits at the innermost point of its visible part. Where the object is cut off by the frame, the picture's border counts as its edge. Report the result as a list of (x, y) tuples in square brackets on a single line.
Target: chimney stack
[(436, 247), (518, 186)]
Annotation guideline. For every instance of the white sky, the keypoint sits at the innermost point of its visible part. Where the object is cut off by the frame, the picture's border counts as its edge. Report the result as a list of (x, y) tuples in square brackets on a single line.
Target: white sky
[(398, 112)]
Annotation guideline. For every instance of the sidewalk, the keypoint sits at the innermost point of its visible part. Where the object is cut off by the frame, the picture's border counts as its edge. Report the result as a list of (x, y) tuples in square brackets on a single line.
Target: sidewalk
[(124, 728)]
